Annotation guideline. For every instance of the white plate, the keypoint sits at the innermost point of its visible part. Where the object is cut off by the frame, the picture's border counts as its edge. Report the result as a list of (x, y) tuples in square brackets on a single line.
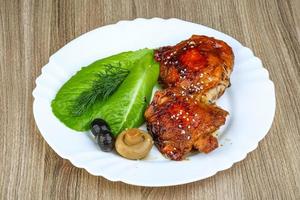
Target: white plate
[(250, 101)]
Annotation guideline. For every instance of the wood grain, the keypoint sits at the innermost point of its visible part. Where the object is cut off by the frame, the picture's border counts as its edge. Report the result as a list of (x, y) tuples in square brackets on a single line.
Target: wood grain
[(32, 30)]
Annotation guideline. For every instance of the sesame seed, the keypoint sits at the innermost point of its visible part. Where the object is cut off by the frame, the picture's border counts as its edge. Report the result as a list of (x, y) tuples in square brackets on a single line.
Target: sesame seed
[(189, 126), (179, 126), (183, 132)]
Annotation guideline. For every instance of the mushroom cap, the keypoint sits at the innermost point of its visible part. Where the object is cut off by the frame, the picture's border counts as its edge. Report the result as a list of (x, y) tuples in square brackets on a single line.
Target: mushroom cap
[(134, 144)]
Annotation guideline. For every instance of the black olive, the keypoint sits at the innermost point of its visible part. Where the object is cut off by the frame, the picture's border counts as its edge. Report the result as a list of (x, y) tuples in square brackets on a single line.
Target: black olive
[(98, 126), (105, 141), (104, 137)]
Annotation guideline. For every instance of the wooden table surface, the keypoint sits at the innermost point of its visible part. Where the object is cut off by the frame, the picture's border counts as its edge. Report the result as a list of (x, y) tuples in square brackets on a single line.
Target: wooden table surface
[(32, 30)]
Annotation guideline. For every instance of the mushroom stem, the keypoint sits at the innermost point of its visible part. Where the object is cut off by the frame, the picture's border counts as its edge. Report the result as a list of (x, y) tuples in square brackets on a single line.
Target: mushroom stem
[(133, 137)]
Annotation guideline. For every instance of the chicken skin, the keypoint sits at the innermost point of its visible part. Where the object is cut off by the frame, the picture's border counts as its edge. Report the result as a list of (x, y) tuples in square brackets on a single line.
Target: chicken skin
[(179, 124), (200, 65)]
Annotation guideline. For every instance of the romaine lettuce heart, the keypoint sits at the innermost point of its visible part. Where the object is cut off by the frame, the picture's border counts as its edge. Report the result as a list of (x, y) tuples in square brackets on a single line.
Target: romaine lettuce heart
[(125, 108)]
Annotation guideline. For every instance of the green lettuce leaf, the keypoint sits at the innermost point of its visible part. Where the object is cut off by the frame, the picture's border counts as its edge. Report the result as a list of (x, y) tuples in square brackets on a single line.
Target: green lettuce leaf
[(125, 108)]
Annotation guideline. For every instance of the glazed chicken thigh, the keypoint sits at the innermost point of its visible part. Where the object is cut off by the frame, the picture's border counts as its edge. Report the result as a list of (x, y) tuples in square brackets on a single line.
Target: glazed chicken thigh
[(200, 65), (178, 123)]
